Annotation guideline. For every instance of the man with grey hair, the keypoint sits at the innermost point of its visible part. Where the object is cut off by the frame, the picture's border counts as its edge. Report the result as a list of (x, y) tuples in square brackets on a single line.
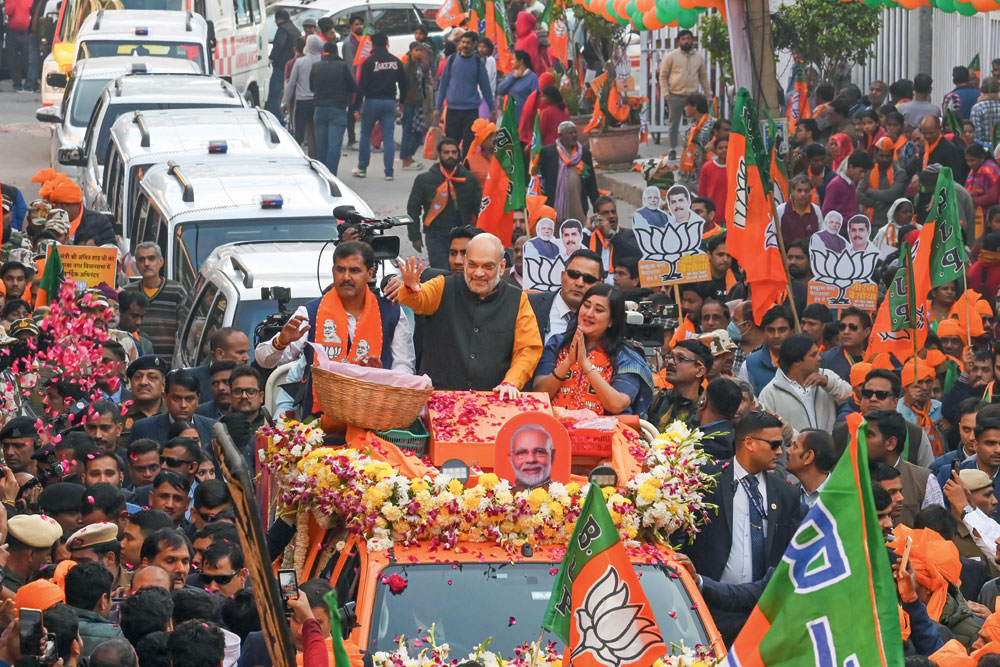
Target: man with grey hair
[(567, 171), (166, 299), (531, 456), (117, 652), (480, 332)]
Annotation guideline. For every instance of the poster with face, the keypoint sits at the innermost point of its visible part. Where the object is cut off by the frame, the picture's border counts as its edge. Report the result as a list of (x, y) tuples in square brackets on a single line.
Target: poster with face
[(532, 449), (670, 240), (544, 256), (842, 268)]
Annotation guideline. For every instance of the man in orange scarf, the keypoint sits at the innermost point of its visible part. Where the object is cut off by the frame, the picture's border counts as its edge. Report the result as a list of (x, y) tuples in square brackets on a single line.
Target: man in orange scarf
[(917, 406), (882, 185), (349, 324)]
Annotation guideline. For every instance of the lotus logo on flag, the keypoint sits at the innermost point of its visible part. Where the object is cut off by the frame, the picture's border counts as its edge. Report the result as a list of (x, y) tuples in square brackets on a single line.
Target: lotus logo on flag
[(610, 628), (742, 194)]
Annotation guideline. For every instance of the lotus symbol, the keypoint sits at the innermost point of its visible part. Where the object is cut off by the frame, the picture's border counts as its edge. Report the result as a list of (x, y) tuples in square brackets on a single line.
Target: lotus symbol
[(542, 273), (842, 269), (670, 243), (610, 628)]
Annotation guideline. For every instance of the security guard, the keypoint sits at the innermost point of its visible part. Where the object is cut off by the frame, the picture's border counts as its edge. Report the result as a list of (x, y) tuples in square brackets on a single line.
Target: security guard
[(147, 377), (29, 541)]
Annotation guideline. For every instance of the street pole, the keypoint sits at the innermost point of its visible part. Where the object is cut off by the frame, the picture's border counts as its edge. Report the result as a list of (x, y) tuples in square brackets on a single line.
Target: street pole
[(752, 53)]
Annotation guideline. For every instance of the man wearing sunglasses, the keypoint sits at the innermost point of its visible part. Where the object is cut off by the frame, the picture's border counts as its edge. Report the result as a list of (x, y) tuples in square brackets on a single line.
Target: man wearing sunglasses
[(554, 310), (881, 391), (855, 327), (758, 514), (805, 395), (222, 568), (886, 434), (685, 368)]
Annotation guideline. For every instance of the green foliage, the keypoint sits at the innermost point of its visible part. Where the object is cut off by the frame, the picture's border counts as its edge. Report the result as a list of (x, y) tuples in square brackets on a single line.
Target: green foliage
[(827, 32), (713, 37)]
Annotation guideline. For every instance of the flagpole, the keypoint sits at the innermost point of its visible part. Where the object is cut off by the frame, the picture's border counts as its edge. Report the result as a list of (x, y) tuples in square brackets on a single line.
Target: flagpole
[(784, 263), (537, 648), (968, 306)]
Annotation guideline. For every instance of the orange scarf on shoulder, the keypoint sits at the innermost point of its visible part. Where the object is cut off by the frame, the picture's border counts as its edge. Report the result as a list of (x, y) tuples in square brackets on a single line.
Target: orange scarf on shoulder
[(687, 159), (873, 184), (598, 243), (444, 193), (930, 148), (576, 392)]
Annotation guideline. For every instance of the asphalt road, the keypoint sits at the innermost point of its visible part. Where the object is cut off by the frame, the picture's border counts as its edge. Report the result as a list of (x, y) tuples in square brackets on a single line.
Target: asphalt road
[(24, 149)]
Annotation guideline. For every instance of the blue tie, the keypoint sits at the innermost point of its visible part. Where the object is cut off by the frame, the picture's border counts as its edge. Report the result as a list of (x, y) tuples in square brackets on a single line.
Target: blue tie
[(757, 515)]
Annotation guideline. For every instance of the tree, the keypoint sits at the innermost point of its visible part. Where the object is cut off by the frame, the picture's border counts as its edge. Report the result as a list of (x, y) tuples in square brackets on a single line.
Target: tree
[(834, 35), (713, 36)]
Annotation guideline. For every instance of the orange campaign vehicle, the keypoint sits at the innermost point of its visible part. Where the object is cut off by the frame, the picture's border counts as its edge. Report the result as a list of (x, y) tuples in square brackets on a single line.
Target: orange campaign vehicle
[(433, 564)]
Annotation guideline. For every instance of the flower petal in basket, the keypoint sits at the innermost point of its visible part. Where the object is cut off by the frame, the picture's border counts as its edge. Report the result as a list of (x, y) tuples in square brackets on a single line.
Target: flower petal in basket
[(384, 376)]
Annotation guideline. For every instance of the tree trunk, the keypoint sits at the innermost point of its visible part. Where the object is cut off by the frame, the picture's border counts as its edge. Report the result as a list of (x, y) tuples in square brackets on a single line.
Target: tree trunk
[(752, 52)]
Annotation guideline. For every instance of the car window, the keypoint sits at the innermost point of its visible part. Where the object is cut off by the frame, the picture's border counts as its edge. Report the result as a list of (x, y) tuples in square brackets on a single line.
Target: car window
[(199, 316), (138, 220), (244, 11), (131, 191), (216, 318), (297, 15), (349, 579), (93, 48), (88, 137), (84, 98), (112, 182), (78, 10)]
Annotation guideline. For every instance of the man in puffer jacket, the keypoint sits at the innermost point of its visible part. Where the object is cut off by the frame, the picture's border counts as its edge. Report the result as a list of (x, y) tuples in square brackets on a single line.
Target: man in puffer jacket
[(18, 42)]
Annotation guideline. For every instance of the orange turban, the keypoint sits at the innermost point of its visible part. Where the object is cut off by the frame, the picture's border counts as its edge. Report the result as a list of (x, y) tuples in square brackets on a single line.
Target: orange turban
[(61, 190), (953, 654), (62, 569), (935, 358), (885, 144), (951, 327), (907, 373), (481, 129), (859, 372), (538, 214), (39, 594), (883, 360), (960, 311), (45, 175), (983, 307), (935, 562)]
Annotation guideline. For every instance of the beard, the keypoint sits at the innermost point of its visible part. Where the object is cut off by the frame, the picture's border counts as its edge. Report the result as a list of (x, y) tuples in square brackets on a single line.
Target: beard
[(533, 479), (797, 272), (490, 285)]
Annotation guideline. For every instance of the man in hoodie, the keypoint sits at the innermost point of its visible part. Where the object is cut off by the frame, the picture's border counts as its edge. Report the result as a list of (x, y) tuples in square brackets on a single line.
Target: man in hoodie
[(18, 43), (527, 40), (381, 75), (282, 50), (333, 85), (464, 82), (298, 97)]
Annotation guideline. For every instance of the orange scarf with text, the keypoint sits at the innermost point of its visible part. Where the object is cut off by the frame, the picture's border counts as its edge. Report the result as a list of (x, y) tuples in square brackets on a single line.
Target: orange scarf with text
[(576, 392), (873, 184), (924, 422), (444, 193), (333, 334), (687, 159)]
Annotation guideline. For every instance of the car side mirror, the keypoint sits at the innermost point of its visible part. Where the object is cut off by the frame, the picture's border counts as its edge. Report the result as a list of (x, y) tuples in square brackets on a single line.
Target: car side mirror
[(56, 79), (71, 157), (48, 115)]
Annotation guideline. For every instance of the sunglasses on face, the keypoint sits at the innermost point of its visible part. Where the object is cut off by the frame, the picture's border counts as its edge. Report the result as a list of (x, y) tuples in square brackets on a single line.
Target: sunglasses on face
[(208, 518), (221, 579), (171, 462), (872, 393), (775, 444), (849, 325), (576, 275)]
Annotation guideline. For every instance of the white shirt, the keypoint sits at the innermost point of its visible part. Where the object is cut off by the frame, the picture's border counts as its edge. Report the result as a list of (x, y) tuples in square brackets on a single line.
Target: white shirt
[(933, 495), (739, 567), (403, 356), (557, 315), (984, 530), (812, 497), (807, 396)]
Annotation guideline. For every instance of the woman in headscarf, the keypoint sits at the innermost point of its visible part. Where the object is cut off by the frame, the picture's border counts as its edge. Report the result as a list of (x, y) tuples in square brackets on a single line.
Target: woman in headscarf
[(527, 40), (526, 126), (481, 150), (840, 148), (900, 214)]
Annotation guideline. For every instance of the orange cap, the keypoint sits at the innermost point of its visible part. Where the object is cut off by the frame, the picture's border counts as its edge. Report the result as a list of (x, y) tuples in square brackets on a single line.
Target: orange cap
[(859, 372), (907, 374), (62, 569), (39, 594), (61, 190), (951, 327)]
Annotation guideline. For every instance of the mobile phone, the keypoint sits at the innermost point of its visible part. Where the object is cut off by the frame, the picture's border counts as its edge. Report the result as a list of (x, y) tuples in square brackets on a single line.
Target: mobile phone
[(288, 582), (956, 466), (49, 656), (31, 631)]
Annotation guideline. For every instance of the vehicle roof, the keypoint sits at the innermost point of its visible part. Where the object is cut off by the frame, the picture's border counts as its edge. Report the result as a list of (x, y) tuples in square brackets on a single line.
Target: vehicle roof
[(234, 189), (190, 131), (342, 5), (288, 263), (174, 88), (110, 24), (115, 66)]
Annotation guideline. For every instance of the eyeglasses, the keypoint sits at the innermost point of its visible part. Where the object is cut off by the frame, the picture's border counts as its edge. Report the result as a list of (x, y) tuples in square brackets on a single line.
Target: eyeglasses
[(675, 359), (775, 444), (244, 391), (171, 462), (849, 325), (221, 579), (576, 275), (872, 393)]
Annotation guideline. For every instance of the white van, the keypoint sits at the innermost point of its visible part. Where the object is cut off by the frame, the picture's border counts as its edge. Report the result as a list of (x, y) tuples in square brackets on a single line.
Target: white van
[(192, 209), (140, 32), (237, 40), (144, 139)]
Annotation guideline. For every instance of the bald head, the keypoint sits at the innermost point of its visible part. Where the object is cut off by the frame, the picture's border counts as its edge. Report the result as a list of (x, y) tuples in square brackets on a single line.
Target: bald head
[(152, 575), (930, 127), (484, 263)]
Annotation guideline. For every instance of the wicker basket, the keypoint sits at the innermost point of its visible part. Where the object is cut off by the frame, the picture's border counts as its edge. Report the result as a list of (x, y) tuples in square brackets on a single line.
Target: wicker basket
[(376, 407)]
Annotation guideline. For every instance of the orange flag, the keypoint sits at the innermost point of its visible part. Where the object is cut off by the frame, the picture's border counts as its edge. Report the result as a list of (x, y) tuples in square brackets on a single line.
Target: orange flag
[(450, 14)]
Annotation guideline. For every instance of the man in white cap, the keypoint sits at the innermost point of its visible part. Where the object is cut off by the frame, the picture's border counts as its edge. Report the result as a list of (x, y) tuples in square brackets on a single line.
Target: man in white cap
[(29, 541), (980, 488), (97, 543)]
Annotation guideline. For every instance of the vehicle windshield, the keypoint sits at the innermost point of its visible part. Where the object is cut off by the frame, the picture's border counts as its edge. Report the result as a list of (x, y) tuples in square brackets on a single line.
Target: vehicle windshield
[(94, 48), (195, 241), (297, 14), (86, 92), (116, 110), (77, 11), (517, 592)]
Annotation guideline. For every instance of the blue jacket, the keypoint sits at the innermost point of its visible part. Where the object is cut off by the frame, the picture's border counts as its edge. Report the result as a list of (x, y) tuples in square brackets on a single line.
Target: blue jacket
[(760, 369), (518, 87), (157, 426), (459, 82), (944, 474)]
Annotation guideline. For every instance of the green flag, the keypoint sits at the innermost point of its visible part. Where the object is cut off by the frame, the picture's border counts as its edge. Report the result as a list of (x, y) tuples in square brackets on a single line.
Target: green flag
[(948, 246), (478, 7), (507, 150), (339, 652), (52, 278), (974, 65), (952, 123), (549, 12), (832, 599), (536, 144), (901, 303), (597, 604)]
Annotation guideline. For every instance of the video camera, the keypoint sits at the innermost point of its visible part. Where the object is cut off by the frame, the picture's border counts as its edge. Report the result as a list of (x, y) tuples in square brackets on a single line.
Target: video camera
[(371, 231), (271, 325), (646, 324)]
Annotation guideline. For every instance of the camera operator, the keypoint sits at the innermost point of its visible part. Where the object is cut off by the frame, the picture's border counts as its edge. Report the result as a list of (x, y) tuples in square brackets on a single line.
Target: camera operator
[(351, 323)]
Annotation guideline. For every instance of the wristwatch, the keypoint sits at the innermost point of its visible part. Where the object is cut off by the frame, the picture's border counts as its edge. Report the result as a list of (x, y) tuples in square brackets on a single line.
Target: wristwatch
[(968, 509)]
